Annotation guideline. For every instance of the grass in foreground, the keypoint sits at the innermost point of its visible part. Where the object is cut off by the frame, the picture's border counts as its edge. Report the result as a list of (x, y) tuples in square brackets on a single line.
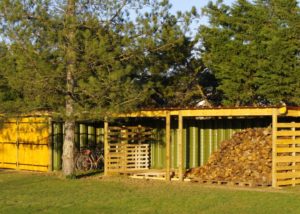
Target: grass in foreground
[(23, 192)]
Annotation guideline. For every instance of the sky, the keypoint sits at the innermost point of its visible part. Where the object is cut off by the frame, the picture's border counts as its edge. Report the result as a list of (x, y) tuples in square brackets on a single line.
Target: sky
[(185, 5)]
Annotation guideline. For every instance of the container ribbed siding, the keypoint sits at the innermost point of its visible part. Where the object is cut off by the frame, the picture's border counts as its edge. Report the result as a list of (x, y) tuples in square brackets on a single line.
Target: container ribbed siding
[(200, 138), (57, 145), (24, 143), (85, 134)]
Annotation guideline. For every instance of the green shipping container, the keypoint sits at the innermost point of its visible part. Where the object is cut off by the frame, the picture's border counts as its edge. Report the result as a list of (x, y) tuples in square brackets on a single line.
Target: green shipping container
[(201, 138)]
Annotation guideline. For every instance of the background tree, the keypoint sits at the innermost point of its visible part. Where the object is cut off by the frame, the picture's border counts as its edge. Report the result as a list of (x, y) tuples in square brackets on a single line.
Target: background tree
[(169, 66), (253, 49), (86, 59)]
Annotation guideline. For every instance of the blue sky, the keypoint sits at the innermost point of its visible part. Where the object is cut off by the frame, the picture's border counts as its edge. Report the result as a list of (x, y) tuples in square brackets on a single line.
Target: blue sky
[(184, 5), (187, 4)]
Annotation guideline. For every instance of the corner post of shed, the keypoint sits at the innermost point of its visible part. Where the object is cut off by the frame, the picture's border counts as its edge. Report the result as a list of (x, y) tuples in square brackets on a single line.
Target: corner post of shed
[(180, 147), (168, 145), (106, 147), (274, 147)]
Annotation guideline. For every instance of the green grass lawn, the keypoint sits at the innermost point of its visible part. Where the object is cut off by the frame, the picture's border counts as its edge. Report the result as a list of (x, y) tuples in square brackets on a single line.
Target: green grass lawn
[(24, 192)]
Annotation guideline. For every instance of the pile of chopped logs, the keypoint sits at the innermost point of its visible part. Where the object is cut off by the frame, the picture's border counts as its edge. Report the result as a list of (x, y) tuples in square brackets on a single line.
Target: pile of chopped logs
[(246, 157)]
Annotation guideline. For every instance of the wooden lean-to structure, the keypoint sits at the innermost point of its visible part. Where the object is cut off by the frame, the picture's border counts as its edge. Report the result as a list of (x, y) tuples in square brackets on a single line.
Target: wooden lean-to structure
[(185, 138)]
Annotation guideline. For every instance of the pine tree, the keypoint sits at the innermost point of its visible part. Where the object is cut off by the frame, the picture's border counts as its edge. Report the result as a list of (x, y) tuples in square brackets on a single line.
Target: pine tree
[(83, 59), (253, 49), (169, 68), (278, 75)]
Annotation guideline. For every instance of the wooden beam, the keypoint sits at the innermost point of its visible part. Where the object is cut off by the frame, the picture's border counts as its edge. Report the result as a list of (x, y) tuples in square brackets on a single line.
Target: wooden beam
[(293, 113), (105, 147), (180, 147), (168, 146), (274, 148), (232, 112), (146, 113), (207, 112)]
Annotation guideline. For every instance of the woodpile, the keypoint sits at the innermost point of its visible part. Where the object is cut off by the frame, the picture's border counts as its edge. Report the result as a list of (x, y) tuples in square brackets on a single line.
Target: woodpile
[(246, 157)]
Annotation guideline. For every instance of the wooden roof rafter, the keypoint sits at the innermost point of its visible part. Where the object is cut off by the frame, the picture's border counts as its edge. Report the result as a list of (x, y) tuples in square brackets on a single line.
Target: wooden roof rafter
[(207, 112)]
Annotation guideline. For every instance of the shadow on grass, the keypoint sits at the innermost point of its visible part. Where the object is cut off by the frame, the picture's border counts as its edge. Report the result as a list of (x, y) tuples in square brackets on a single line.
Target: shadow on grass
[(91, 173)]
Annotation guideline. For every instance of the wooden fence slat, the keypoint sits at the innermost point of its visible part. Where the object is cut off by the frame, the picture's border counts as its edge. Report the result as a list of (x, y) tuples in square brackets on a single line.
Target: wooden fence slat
[(287, 141), (288, 125), (280, 168), (287, 133), (283, 159), (290, 149), (288, 182), (285, 175)]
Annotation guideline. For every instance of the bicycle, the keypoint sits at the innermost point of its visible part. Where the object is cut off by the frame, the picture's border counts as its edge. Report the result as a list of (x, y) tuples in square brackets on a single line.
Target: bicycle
[(90, 159)]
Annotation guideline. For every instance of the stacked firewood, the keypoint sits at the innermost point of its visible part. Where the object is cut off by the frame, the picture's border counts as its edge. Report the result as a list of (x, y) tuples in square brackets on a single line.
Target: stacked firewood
[(246, 157)]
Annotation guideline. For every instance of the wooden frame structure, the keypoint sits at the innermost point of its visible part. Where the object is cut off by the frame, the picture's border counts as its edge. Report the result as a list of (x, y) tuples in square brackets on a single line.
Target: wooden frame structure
[(286, 149), (205, 112), (285, 138)]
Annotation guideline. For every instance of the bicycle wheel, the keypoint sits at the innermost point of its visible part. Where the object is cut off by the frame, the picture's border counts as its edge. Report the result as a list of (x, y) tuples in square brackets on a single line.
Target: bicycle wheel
[(100, 163), (84, 163)]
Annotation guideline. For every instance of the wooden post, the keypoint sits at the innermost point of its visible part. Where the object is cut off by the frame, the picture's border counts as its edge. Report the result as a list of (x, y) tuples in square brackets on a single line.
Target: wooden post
[(274, 147), (168, 145), (294, 153), (106, 147), (180, 147)]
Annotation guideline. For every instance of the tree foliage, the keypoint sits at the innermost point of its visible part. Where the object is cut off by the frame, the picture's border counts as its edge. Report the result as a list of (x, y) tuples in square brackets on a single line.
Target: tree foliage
[(88, 59), (253, 49), (120, 62)]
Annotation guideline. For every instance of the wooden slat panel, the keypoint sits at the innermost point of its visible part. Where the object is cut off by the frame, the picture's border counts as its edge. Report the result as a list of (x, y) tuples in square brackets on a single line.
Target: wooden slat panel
[(122, 157), (287, 141)]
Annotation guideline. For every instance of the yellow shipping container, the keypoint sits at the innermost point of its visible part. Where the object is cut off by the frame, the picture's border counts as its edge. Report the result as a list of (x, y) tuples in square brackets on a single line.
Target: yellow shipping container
[(25, 143)]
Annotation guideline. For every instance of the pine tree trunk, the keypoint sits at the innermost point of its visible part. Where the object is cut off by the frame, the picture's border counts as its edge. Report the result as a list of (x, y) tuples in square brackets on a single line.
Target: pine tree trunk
[(68, 146)]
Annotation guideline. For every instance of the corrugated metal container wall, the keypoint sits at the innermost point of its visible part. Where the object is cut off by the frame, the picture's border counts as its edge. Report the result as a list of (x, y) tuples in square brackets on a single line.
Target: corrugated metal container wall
[(57, 136), (85, 134), (200, 139), (25, 143)]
